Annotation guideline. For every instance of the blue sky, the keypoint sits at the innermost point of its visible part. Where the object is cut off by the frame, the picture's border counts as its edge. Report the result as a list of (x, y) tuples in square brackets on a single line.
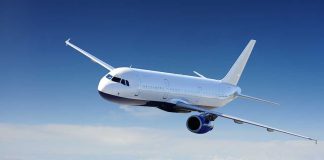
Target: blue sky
[(45, 83)]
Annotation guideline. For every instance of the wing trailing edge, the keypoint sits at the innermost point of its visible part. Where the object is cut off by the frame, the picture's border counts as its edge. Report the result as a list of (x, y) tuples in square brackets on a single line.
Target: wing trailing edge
[(238, 120)]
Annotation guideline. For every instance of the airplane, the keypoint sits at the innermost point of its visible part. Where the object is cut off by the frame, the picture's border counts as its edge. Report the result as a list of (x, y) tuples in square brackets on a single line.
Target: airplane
[(179, 93)]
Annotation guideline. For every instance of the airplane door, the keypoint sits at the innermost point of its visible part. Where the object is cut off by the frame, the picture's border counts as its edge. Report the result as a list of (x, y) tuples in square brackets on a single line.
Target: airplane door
[(138, 85), (166, 88)]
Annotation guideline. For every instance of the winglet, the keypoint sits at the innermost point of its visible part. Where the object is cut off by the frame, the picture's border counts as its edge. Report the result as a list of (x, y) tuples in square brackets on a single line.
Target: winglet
[(67, 42), (315, 140)]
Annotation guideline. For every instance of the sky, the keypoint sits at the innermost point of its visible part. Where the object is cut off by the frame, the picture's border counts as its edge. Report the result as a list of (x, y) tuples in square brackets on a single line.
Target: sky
[(50, 107)]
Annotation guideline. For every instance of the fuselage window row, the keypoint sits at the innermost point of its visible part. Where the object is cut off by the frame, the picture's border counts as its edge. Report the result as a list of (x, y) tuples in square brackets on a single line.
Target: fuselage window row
[(118, 80)]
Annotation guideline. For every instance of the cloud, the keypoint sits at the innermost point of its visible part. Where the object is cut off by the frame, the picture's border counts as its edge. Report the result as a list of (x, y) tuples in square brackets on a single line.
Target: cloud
[(58, 141), (140, 111)]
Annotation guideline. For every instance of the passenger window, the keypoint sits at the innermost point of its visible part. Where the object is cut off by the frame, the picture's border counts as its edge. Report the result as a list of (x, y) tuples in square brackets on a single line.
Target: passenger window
[(127, 83)]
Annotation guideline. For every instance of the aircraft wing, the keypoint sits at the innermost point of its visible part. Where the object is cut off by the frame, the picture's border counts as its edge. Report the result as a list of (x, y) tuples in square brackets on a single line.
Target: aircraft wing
[(190, 107), (93, 58)]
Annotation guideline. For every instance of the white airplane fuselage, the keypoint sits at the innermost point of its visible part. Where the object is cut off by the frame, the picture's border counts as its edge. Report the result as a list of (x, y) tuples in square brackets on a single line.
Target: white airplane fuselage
[(160, 89), (179, 93)]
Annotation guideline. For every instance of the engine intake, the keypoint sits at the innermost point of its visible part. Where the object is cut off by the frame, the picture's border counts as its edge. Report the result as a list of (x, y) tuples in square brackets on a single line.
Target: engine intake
[(200, 124)]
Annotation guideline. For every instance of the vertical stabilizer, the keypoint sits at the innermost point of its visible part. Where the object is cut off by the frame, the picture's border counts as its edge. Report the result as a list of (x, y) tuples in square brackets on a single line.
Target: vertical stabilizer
[(233, 76)]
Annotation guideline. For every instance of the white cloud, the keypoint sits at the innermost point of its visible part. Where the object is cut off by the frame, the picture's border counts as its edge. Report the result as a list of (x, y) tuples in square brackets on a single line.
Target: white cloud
[(38, 142), (140, 111)]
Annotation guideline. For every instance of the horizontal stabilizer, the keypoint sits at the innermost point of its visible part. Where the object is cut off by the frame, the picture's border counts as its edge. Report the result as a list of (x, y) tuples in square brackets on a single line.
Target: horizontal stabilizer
[(256, 99)]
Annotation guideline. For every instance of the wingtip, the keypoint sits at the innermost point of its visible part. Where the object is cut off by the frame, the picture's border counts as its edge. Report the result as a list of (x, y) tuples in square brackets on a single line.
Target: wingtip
[(315, 141), (67, 41)]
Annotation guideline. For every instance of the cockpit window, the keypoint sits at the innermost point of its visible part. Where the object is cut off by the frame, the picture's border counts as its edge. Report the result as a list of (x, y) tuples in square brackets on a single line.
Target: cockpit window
[(123, 82), (118, 80)]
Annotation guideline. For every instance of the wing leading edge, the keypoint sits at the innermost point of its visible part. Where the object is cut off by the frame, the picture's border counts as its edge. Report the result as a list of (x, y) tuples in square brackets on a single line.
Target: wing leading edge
[(93, 58), (238, 120)]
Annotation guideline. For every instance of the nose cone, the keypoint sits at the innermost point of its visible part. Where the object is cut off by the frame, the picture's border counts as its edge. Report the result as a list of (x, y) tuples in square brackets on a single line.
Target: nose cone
[(103, 84), (107, 86)]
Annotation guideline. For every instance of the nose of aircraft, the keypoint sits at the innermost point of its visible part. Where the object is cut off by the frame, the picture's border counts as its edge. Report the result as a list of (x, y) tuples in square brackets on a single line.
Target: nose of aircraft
[(104, 82)]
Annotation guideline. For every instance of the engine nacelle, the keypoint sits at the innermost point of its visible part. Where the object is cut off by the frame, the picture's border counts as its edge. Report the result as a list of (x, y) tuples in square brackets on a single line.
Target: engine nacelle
[(200, 124)]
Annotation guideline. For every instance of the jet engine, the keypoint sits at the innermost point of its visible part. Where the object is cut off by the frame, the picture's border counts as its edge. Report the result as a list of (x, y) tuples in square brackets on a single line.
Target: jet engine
[(200, 124)]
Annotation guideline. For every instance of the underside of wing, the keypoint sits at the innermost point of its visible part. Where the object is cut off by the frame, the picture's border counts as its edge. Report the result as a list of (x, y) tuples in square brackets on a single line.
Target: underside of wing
[(237, 120)]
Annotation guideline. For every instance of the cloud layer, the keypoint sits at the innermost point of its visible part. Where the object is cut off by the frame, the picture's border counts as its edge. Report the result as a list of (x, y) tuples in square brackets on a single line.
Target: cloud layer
[(57, 141)]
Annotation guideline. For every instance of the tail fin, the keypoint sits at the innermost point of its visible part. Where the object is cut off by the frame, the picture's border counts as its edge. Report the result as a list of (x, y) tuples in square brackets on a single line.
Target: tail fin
[(233, 76)]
